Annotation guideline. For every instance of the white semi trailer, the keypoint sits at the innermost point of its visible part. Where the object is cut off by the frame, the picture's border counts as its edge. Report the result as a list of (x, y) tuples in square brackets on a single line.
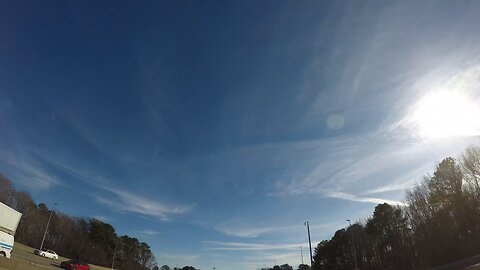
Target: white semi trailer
[(9, 219)]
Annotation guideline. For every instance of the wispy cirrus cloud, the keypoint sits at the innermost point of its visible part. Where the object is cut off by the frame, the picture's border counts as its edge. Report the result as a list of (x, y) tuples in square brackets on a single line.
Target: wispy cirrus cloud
[(177, 259), (181, 256), (251, 232), (241, 246), (256, 255), (343, 162), (354, 169), (30, 172), (102, 218), (260, 259), (402, 182), (355, 198), (126, 202), (233, 228), (149, 232), (120, 200)]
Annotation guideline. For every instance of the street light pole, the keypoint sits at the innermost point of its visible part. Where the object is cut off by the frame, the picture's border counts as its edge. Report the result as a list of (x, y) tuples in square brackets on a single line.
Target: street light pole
[(353, 246), (114, 254), (46, 228), (301, 252), (310, 244)]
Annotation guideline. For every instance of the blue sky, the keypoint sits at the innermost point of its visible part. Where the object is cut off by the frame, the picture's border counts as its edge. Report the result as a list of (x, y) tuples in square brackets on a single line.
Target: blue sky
[(213, 129)]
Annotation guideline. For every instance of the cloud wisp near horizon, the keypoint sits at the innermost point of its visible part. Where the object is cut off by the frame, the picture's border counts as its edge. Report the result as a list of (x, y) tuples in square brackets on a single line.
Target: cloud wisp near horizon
[(213, 131)]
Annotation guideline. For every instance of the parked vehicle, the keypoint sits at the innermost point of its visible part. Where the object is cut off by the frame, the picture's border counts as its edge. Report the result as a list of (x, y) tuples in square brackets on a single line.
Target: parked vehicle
[(75, 265), (9, 219), (46, 253)]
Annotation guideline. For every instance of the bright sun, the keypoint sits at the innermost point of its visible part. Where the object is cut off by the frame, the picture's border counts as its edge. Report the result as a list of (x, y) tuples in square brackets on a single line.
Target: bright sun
[(447, 114)]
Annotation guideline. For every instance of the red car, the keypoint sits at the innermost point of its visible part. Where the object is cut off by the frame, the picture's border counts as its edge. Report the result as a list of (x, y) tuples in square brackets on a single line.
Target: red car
[(75, 265)]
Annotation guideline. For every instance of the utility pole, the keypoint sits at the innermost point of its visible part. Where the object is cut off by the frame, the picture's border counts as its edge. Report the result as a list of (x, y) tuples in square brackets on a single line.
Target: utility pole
[(310, 244), (301, 252), (46, 228), (353, 246), (114, 254)]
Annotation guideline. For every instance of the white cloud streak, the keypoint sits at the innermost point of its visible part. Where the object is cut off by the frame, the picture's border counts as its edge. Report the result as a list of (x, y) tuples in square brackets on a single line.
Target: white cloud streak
[(343, 163), (102, 218), (356, 168), (31, 174), (123, 201), (127, 202), (248, 231), (150, 232), (258, 255), (355, 198), (175, 259), (239, 246)]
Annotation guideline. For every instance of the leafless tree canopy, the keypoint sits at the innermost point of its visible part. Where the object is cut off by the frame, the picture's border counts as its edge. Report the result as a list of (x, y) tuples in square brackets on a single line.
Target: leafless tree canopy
[(439, 224), (80, 238)]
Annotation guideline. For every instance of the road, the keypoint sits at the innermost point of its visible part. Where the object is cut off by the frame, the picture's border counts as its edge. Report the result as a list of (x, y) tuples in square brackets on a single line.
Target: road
[(24, 259)]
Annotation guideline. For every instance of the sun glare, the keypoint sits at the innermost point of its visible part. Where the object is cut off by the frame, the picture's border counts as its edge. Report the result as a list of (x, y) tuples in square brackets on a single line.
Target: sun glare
[(447, 114)]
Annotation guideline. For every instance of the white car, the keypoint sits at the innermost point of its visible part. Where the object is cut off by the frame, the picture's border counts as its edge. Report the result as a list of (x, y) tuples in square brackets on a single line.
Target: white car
[(46, 253)]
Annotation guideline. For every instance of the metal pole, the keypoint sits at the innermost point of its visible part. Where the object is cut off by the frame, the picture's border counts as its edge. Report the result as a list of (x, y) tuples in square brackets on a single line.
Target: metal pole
[(114, 253), (353, 246), (46, 229), (301, 252), (310, 244)]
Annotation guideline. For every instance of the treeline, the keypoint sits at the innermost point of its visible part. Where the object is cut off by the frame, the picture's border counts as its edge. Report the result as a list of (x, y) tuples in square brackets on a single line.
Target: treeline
[(90, 240), (439, 224), (287, 267), (166, 267)]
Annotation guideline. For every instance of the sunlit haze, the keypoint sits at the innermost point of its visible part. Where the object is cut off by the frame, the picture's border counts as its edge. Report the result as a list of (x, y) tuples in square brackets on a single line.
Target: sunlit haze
[(445, 114)]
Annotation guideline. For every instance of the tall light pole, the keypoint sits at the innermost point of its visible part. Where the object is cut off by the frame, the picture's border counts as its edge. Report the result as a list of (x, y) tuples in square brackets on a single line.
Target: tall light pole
[(46, 228), (114, 254), (353, 245), (310, 244), (301, 252)]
